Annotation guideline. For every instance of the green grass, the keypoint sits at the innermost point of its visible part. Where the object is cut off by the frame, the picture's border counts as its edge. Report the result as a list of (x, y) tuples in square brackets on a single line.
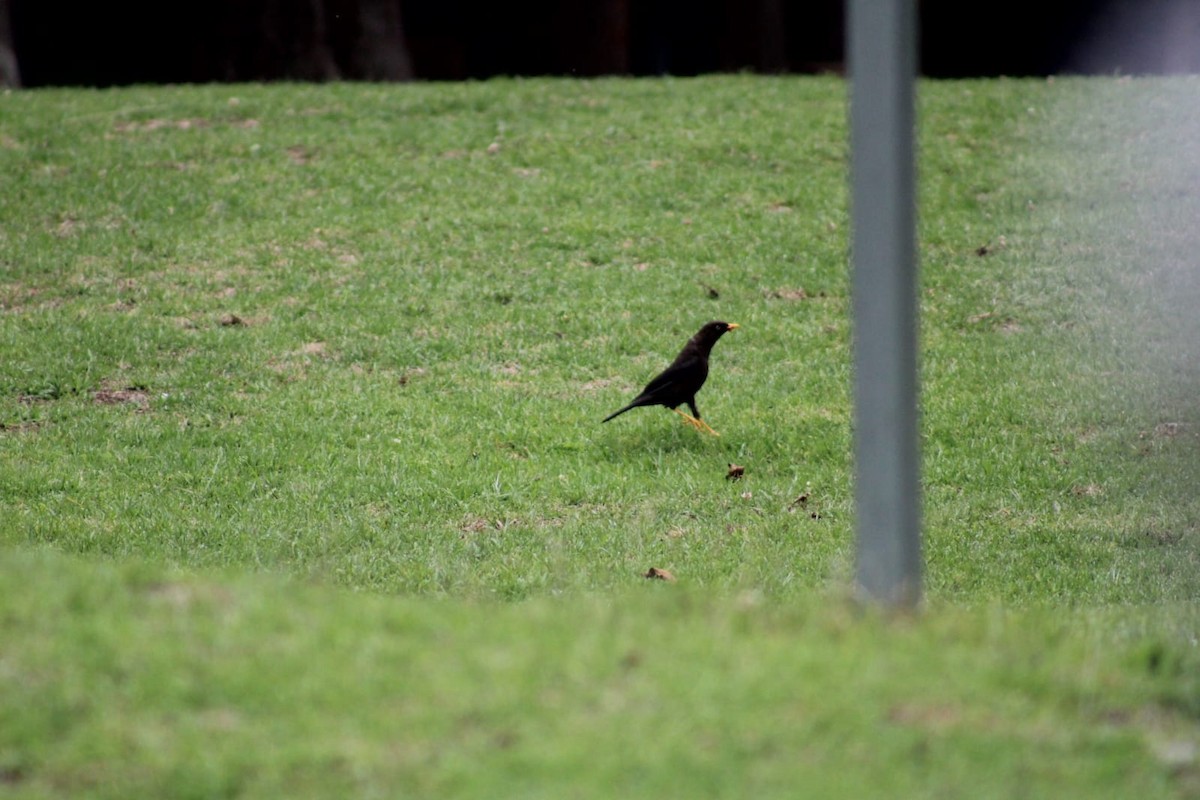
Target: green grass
[(142, 684), (303, 488)]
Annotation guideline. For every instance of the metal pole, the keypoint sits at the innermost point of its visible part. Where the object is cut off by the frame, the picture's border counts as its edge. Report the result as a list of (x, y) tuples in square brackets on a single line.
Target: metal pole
[(882, 59)]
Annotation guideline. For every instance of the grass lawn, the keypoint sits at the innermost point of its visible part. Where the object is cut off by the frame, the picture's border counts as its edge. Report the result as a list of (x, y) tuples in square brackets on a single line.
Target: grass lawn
[(303, 490)]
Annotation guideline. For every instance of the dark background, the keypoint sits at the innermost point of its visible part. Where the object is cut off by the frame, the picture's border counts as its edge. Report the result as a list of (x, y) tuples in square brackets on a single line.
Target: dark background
[(93, 43)]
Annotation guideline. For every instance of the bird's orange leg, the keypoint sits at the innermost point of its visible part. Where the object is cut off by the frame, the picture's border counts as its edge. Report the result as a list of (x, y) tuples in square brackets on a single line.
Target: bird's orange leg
[(698, 424)]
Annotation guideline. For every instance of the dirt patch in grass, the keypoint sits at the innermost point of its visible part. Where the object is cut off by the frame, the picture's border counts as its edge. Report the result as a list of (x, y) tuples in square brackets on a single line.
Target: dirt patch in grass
[(24, 426), (1169, 430), (131, 395), (928, 717), (476, 524), (317, 349), (409, 375), (240, 321), (15, 297), (183, 124), (795, 294), (299, 155)]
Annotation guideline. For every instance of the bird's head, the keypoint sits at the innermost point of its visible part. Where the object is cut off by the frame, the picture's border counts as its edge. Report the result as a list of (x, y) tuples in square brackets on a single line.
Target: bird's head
[(717, 328), (708, 335)]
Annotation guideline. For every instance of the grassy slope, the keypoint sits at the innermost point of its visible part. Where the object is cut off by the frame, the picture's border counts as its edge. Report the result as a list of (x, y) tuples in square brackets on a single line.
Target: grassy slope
[(442, 289), (136, 683)]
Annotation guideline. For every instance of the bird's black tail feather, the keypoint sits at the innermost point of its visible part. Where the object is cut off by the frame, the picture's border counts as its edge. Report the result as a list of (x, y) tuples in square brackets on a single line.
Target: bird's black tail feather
[(620, 411)]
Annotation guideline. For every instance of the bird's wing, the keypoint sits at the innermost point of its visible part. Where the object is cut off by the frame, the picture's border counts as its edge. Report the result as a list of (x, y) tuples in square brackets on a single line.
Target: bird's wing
[(681, 379)]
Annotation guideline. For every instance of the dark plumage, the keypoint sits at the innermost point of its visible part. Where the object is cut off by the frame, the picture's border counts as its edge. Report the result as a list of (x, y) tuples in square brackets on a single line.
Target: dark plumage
[(679, 382)]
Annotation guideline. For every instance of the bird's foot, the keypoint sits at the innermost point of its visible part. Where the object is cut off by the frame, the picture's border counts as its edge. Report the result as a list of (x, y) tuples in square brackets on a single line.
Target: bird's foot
[(698, 424)]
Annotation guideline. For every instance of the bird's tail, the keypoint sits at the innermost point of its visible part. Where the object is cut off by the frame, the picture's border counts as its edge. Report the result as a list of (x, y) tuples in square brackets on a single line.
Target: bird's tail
[(620, 411)]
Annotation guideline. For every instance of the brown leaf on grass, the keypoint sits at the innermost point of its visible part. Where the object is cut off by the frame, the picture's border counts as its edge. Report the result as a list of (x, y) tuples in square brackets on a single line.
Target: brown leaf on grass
[(799, 502), (231, 321), (654, 573), (735, 472)]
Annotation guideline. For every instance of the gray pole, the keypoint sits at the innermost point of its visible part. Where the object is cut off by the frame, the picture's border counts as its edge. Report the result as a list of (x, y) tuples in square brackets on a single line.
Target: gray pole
[(882, 57)]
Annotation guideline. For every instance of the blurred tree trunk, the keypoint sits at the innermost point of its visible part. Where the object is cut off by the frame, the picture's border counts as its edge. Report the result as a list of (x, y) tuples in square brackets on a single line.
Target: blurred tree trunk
[(753, 34), (771, 48), (310, 40), (297, 36), (10, 75), (593, 38), (368, 39)]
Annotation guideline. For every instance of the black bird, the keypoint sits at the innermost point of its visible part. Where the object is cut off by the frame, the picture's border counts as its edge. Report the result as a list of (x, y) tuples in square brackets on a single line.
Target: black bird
[(679, 382)]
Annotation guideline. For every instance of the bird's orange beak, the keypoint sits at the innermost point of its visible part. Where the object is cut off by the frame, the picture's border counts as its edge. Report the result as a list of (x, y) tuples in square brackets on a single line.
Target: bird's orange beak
[(734, 326)]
